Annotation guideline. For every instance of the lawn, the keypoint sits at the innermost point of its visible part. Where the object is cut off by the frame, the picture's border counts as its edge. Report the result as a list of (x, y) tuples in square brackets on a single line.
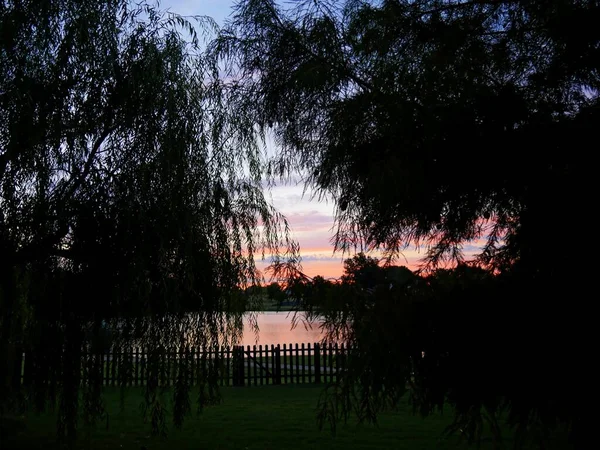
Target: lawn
[(269, 417)]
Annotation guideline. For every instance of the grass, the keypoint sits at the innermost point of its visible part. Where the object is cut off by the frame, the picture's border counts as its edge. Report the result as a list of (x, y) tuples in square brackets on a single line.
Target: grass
[(267, 304), (269, 417)]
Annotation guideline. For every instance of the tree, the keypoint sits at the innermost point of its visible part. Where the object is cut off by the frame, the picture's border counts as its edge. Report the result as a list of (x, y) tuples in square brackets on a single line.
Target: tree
[(130, 197), (362, 270), (275, 293), (367, 273), (317, 294), (437, 124)]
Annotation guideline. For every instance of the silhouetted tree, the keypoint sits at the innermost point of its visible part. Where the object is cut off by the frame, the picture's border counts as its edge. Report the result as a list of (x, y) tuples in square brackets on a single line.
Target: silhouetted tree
[(275, 293), (130, 197), (438, 123), (362, 270), (316, 294)]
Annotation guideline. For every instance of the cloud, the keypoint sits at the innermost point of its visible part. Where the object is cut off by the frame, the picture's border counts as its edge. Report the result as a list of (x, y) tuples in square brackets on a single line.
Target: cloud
[(219, 10), (322, 257), (310, 221)]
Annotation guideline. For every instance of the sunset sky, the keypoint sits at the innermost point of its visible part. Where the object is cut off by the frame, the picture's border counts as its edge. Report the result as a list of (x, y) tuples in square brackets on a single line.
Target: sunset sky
[(311, 221)]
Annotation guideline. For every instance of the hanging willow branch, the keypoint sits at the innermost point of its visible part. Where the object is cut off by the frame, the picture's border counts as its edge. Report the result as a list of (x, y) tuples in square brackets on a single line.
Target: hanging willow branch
[(130, 199)]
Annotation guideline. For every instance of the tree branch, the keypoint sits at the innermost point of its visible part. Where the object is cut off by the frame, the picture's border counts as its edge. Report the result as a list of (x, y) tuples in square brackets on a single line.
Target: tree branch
[(3, 163), (64, 253), (87, 167), (359, 81), (52, 240), (459, 5)]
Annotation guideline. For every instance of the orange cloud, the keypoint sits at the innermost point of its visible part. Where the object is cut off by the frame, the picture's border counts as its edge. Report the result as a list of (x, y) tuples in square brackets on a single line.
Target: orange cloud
[(332, 268)]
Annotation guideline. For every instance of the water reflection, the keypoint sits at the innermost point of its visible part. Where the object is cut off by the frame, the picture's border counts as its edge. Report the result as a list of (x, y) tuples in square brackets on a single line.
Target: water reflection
[(276, 328)]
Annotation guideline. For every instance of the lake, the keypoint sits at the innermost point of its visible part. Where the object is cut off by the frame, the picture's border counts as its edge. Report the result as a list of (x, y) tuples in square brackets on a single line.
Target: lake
[(276, 328)]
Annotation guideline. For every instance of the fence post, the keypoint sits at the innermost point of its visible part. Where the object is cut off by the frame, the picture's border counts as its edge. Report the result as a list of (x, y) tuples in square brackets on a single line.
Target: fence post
[(234, 355), (317, 358), (113, 366), (17, 367), (238, 365), (277, 373)]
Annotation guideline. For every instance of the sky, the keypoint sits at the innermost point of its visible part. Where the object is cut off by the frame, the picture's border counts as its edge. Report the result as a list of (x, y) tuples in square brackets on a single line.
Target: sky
[(311, 221)]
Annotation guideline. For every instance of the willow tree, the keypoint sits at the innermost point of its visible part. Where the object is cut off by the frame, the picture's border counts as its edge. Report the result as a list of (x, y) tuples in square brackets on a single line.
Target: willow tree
[(130, 197), (443, 124)]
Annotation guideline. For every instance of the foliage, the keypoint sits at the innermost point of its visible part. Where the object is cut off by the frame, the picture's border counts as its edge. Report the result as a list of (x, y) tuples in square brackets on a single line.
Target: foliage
[(440, 124), (130, 196), (372, 100), (363, 270), (275, 292), (441, 340)]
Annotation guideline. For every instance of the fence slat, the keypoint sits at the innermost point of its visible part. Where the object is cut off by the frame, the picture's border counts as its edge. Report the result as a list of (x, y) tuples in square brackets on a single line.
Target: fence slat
[(235, 364), (270, 364), (324, 363), (286, 370), (317, 362), (113, 367), (247, 372), (228, 373), (121, 370), (310, 361), (176, 370), (342, 364), (143, 357), (323, 360), (303, 365), (169, 371), (263, 364), (203, 375), (336, 361), (17, 373), (297, 364), (215, 359), (192, 364), (130, 366), (273, 365), (216, 365), (278, 364), (120, 363), (201, 366), (224, 365), (331, 362), (254, 374), (99, 368), (122, 367), (196, 366), (136, 364), (290, 362)]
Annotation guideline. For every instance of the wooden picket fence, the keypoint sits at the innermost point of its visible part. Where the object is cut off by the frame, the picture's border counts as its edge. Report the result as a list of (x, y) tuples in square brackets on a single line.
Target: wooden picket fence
[(226, 366)]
